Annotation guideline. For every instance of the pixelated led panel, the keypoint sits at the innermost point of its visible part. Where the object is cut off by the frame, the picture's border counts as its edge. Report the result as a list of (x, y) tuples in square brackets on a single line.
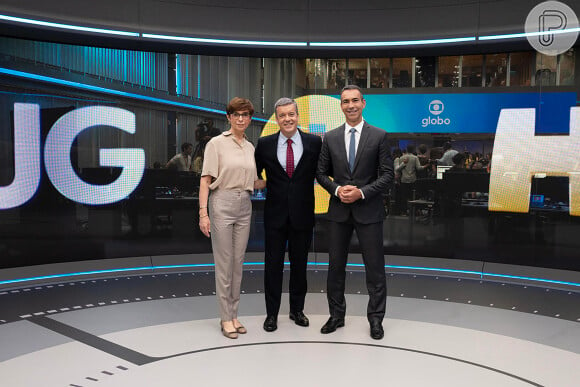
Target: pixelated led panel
[(512, 169)]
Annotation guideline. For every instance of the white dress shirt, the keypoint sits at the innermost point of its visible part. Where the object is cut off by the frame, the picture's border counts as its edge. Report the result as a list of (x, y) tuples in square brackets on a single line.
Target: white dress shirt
[(347, 134)]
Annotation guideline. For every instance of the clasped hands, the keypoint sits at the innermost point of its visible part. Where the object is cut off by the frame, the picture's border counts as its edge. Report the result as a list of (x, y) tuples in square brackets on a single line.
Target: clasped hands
[(349, 194)]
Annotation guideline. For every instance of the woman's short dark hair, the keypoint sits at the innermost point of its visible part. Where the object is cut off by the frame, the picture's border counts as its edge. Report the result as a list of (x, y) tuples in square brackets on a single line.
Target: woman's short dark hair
[(239, 104)]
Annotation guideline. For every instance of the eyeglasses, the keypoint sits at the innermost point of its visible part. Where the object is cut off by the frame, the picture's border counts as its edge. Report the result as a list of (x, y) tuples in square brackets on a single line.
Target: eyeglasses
[(244, 115)]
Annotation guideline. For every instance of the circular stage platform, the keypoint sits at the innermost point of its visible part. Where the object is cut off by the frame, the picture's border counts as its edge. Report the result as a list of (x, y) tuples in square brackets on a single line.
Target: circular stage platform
[(162, 329)]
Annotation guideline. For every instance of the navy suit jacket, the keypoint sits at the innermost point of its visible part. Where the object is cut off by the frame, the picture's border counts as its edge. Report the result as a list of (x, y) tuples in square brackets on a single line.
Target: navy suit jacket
[(373, 174), (288, 199)]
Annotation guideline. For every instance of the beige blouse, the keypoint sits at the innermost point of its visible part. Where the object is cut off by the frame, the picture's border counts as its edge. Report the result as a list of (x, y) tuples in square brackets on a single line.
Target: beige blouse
[(230, 164)]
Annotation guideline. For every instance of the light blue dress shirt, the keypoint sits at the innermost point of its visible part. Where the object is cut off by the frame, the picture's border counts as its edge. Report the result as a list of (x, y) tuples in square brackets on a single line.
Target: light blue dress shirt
[(297, 148)]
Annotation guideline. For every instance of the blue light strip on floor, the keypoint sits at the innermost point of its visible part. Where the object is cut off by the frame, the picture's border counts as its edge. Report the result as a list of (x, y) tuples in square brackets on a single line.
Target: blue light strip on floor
[(83, 86), (128, 269), (530, 279), (67, 26), (482, 275), (479, 273)]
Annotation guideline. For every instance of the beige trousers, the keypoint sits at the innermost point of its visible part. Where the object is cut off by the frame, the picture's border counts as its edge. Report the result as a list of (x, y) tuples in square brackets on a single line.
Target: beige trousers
[(230, 213)]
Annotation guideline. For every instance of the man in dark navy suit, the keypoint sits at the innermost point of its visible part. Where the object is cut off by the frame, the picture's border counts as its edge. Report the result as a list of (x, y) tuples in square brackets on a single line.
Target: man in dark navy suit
[(355, 167), (289, 158)]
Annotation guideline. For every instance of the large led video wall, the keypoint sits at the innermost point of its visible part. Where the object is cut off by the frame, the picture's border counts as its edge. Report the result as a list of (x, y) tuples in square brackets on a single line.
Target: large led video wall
[(84, 174), (527, 128)]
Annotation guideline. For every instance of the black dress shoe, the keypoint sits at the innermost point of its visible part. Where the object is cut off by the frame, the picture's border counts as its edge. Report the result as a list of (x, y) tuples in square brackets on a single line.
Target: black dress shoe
[(332, 324), (270, 324), (377, 331), (299, 318)]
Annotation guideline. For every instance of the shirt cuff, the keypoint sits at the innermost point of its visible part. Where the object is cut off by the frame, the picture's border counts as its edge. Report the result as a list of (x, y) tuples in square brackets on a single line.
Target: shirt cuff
[(362, 194), (336, 191)]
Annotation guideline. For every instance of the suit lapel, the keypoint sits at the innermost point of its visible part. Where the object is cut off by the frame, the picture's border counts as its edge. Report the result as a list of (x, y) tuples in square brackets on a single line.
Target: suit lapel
[(364, 135), (342, 146), (273, 154), (305, 150)]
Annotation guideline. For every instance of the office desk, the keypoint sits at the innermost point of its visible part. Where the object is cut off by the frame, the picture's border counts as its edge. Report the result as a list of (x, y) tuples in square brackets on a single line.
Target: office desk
[(420, 204), (179, 216), (414, 206)]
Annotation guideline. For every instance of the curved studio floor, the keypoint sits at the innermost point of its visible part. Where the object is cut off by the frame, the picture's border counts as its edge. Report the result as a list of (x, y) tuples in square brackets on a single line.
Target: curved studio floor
[(160, 329)]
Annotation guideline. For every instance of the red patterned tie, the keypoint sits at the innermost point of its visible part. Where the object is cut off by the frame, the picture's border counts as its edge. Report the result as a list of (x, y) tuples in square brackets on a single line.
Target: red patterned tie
[(289, 159)]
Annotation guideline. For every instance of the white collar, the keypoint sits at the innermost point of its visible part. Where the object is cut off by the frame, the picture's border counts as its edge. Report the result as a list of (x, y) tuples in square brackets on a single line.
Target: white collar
[(295, 138), (358, 127)]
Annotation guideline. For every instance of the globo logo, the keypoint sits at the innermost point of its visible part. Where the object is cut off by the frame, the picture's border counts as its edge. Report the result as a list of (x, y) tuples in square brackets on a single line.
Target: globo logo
[(434, 121), (436, 107), (57, 156)]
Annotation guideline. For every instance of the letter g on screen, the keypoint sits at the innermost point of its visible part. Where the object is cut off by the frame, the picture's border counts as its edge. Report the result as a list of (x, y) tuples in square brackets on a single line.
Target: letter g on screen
[(57, 156)]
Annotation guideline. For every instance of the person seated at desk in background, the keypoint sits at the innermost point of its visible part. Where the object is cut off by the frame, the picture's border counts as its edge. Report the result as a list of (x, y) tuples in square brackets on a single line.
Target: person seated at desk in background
[(182, 160), (448, 154), (458, 163), (478, 163), (408, 167)]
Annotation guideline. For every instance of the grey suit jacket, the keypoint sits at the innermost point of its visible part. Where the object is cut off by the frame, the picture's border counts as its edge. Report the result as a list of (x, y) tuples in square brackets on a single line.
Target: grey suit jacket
[(373, 174)]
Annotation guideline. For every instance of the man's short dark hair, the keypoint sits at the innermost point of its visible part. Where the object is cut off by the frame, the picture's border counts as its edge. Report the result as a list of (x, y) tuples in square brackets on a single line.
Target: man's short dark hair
[(284, 101), (352, 87), (186, 145)]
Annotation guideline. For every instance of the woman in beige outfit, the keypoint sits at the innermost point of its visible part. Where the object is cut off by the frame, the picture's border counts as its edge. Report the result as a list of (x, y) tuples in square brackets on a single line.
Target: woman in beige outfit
[(229, 172)]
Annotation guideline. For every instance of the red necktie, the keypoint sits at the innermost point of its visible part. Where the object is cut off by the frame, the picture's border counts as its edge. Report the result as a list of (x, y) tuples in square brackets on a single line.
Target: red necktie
[(289, 159)]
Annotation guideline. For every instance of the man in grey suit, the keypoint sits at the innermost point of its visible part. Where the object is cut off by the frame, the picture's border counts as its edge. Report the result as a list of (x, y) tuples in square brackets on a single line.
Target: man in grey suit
[(357, 158)]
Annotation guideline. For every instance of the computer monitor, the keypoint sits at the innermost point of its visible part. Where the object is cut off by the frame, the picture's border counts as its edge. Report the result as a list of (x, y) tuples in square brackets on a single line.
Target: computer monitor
[(555, 190), (441, 170), (537, 201)]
